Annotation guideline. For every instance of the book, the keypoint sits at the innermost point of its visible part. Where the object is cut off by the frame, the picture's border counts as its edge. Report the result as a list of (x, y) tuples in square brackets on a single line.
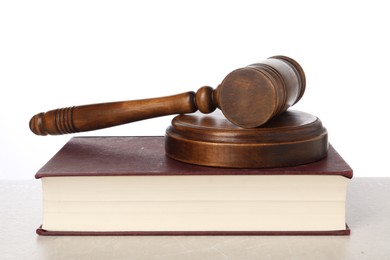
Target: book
[(128, 186)]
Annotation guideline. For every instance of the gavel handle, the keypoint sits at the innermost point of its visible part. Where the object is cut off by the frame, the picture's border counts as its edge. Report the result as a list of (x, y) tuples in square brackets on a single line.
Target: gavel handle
[(97, 116)]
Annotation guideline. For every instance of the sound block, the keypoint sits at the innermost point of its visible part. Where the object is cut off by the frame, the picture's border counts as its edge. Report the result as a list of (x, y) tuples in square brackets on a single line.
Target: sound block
[(290, 139)]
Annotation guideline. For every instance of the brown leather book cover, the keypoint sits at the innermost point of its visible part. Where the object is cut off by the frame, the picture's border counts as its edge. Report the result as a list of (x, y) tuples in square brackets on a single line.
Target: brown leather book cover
[(133, 156), (129, 156)]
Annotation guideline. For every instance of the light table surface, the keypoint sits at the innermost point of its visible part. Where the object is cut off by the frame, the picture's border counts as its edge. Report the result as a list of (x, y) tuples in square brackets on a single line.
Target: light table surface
[(368, 216)]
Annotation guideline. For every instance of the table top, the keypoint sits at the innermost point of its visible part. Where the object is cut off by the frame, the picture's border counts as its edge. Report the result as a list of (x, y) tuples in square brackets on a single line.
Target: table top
[(368, 216)]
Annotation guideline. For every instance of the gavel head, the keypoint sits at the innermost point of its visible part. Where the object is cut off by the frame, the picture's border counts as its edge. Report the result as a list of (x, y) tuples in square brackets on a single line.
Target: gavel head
[(251, 96)]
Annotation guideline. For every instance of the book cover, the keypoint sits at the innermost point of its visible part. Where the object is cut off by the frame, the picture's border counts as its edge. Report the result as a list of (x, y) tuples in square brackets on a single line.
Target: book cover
[(130, 156)]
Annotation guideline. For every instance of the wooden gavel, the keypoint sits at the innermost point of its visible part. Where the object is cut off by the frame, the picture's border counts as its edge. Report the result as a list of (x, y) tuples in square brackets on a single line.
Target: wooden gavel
[(248, 97)]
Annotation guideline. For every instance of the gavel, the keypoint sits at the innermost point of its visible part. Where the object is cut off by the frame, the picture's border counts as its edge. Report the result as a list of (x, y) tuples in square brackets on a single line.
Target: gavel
[(248, 97)]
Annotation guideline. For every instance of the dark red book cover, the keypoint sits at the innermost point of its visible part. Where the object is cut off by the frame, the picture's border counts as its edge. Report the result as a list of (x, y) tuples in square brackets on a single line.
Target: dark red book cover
[(344, 232), (132, 156), (127, 156)]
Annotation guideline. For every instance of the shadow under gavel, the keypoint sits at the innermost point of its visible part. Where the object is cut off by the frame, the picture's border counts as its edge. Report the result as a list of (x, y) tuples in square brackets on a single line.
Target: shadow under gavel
[(248, 97)]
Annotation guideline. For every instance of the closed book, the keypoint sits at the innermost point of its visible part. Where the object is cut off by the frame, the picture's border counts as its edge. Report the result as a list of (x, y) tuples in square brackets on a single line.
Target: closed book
[(128, 186)]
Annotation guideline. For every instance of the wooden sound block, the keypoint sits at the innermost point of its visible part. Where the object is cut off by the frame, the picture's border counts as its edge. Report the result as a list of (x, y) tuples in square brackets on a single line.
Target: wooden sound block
[(290, 139)]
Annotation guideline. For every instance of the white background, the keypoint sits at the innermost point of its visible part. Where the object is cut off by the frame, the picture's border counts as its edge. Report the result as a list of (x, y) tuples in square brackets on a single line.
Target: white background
[(64, 53)]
